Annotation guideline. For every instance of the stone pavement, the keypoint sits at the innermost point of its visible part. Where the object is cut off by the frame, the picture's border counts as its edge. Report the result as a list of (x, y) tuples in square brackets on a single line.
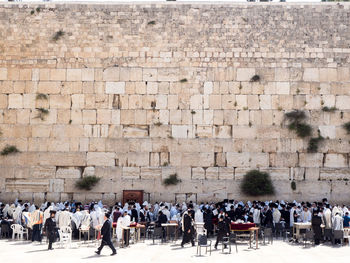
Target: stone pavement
[(18, 251)]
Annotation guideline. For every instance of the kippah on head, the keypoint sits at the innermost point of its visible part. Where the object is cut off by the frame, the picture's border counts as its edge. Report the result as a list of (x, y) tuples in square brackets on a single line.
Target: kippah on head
[(107, 214)]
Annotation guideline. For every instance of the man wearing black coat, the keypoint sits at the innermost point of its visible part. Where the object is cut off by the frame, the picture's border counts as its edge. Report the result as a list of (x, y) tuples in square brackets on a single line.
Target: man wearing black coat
[(106, 236), (223, 230), (187, 228), (50, 228), (316, 222)]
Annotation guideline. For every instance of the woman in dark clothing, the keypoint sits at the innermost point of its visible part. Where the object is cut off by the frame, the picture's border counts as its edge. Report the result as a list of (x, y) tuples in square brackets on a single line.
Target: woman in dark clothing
[(316, 222)]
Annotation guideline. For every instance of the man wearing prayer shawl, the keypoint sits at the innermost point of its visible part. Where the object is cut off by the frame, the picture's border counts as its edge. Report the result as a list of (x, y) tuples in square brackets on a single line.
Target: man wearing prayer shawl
[(327, 217), (37, 219), (305, 215), (64, 219)]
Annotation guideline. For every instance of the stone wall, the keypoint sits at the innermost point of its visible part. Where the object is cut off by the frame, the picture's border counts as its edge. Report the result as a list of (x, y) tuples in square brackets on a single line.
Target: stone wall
[(137, 92)]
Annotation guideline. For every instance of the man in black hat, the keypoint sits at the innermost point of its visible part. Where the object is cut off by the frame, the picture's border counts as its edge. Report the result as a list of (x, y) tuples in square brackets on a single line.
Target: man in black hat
[(50, 228), (106, 236)]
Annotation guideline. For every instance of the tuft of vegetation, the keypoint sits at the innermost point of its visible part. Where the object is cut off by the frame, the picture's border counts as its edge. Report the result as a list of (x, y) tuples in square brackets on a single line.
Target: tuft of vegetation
[(256, 183), (70, 121), (171, 180), (32, 12), (87, 183), (296, 119), (293, 185), (329, 109), (255, 78), (158, 123), (42, 96), (193, 112), (42, 113), (58, 35), (165, 164), (151, 22), (9, 149), (313, 144), (183, 80), (346, 126), (38, 9)]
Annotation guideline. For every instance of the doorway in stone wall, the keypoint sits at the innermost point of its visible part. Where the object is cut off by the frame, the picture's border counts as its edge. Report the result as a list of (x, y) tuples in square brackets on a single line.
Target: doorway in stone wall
[(133, 196)]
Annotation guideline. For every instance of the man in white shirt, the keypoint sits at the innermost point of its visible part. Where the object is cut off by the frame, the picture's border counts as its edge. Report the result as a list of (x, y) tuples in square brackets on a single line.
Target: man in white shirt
[(305, 215)]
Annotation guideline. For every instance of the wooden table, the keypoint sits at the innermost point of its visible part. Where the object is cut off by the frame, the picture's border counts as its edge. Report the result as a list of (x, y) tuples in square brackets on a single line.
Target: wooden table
[(127, 235), (298, 226), (168, 225), (251, 231)]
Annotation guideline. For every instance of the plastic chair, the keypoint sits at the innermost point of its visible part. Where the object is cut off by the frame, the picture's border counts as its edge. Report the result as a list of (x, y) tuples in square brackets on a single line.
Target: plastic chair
[(226, 244), (268, 234), (279, 229), (347, 236), (67, 230), (19, 231), (203, 242), (65, 238), (233, 239), (337, 235), (157, 232), (308, 236)]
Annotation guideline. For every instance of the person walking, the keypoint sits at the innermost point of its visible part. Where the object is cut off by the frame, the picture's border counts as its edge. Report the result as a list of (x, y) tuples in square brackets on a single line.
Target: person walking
[(106, 236), (50, 228)]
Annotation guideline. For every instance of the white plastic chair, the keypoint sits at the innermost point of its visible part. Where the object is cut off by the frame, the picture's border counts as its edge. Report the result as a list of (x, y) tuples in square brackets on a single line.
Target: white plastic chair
[(347, 235), (65, 237), (19, 231)]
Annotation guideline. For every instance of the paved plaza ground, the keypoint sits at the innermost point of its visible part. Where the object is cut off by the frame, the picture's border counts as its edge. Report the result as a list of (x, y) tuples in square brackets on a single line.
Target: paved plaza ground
[(19, 251)]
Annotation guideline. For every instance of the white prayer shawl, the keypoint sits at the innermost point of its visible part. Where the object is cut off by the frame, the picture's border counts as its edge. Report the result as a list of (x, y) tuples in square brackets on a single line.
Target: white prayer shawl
[(119, 229), (17, 215), (291, 218), (86, 219), (198, 216), (76, 218), (167, 213), (64, 219), (11, 210), (47, 213), (126, 221), (327, 215), (256, 216), (6, 209), (305, 216), (31, 208), (338, 223)]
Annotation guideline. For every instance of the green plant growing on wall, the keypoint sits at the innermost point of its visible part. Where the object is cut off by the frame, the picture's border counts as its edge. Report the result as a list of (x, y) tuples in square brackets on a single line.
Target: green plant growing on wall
[(329, 109), (38, 9), (346, 126), (256, 183), (59, 34), (296, 120), (9, 149), (42, 113), (87, 182), (255, 78), (42, 96), (293, 185), (32, 12), (158, 123), (193, 112), (171, 180), (151, 22), (183, 80), (313, 144)]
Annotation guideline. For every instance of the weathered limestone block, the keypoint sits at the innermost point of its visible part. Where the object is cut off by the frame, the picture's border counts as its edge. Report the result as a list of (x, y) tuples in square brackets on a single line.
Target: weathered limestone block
[(259, 160), (131, 173), (100, 159), (149, 74), (335, 174), (89, 171), (58, 74), (150, 173), (277, 173), (74, 74), (70, 173), (237, 159), (62, 159), (60, 102), (212, 173), (284, 159), (223, 131), (245, 74), (115, 87), (56, 185), (135, 132), (15, 101), (111, 74), (138, 158), (89, 116), (226, 173), (3, 73), (336, 160), (198, 173), (167, 171), (310, 159), (298, 173), (311, 74)]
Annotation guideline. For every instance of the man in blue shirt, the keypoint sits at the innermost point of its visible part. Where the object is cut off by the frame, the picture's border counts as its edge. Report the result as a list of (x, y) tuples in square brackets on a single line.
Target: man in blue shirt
[(346, 221)]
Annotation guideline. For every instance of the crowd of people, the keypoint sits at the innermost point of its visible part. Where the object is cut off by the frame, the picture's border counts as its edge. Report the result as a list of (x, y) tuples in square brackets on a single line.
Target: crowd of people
[(48, 217)]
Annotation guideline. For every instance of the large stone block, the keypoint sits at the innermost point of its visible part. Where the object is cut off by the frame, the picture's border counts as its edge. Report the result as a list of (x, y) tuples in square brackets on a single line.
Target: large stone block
[(336, 160), (70, 173), (100, 159), (131, 173)]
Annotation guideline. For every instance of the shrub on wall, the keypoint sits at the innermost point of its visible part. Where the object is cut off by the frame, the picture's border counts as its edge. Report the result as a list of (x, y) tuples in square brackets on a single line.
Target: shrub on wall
[(296, 123), (171, 180), (9, 149), (87, 183), (256, 183)]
